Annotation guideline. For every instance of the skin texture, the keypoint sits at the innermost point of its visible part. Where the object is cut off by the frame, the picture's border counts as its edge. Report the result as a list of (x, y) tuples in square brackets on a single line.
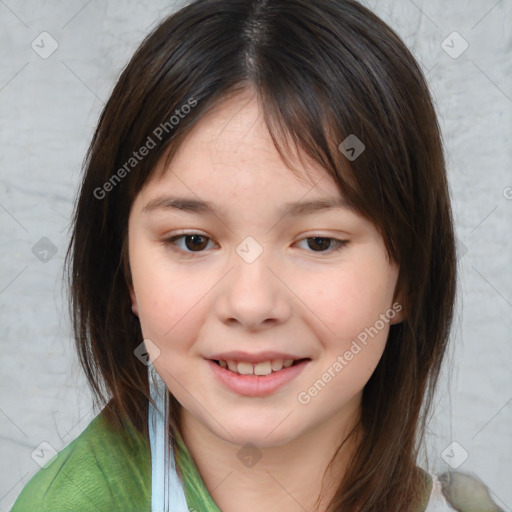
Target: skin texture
[(293, 298)]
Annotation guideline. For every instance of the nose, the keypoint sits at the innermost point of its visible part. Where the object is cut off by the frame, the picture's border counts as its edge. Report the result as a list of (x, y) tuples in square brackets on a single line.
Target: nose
[(253, 295)]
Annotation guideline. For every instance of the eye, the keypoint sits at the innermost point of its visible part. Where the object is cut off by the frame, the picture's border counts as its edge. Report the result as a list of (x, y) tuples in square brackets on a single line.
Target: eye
[(322, 243), (189, 242), (197, 243)]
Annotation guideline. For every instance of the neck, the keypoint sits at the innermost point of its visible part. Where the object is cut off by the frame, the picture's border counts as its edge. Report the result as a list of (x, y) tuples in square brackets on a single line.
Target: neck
[(288, 477)]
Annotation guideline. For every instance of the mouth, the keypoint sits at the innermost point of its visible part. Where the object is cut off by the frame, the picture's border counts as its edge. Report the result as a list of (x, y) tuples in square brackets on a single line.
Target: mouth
[(260, 369), (260, 379)]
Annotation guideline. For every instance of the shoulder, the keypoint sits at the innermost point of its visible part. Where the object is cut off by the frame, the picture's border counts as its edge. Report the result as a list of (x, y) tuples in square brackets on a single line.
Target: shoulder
[(427, 485), (102, 469)]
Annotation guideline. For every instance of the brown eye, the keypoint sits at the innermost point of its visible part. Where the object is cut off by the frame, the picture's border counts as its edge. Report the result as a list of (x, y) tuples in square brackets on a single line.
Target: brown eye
[(319, 244), (189, 243), (324, 244), (195, 242)]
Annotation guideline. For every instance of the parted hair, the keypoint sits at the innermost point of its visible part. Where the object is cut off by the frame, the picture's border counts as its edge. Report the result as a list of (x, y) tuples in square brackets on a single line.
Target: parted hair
[(322, 70)]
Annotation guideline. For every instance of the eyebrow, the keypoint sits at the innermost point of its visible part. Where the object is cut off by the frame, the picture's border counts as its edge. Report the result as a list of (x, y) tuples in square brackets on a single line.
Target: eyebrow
[(198, 206)]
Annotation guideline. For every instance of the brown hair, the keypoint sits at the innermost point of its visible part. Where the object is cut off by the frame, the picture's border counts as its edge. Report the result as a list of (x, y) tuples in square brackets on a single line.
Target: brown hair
[(323, 70)]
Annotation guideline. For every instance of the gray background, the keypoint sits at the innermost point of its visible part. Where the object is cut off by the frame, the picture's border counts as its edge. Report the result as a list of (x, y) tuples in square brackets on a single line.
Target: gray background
[(48, 110)]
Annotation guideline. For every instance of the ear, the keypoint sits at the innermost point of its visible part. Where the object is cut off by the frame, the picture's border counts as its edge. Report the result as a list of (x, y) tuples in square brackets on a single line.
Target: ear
[(135, 307), (398, 308)]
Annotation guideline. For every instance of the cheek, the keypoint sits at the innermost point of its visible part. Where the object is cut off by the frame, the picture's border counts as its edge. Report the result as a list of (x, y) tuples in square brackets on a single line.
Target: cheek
[(353, 303), (170, 301), (352, 317), (159, 295)]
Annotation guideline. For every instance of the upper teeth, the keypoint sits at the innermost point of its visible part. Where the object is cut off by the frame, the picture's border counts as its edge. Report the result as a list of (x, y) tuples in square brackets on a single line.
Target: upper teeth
[(263, 368)]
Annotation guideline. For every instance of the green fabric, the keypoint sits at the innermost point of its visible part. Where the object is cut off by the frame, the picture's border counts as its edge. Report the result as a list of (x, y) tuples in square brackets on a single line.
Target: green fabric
[(198, 497), (107, 471), (103, 470)]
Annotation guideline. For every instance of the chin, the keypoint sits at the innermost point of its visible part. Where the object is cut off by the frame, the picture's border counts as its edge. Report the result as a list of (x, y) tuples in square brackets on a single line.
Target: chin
[(263, 434)]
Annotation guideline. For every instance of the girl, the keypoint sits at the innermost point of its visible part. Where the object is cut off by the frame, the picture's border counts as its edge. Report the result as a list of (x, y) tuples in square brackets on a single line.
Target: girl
[(262, 269)]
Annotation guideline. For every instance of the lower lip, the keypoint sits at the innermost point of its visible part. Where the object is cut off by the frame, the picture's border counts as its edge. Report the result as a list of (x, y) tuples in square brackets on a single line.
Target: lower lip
[(255, 385)]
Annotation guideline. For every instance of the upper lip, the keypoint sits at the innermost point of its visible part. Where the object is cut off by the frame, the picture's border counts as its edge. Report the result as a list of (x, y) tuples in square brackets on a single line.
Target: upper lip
[(237, 355)]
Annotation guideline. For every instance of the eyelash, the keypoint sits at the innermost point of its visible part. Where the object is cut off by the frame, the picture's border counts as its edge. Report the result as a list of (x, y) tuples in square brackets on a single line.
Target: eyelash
[(171, 241)]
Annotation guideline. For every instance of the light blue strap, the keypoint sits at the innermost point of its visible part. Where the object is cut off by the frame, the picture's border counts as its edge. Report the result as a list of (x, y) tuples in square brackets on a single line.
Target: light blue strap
[(167, 493)]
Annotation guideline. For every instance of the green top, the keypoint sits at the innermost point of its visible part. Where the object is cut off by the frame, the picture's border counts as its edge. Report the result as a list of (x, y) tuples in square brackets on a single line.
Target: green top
[(103, 470)]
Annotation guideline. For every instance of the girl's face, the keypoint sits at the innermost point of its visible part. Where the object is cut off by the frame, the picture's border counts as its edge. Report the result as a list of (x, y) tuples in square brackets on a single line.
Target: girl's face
[(232, 252)]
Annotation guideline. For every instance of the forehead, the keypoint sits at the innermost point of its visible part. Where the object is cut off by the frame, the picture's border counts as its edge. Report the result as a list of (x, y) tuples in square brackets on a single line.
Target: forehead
[(230, 152)]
